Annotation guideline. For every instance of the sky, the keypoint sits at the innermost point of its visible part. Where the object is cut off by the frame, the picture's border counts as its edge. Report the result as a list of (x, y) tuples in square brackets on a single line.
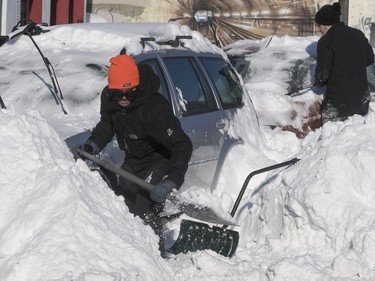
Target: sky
[(59, 221)]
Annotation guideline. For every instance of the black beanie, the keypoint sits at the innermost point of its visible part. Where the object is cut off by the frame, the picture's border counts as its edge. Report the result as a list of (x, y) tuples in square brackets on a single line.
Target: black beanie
[(328, 14)]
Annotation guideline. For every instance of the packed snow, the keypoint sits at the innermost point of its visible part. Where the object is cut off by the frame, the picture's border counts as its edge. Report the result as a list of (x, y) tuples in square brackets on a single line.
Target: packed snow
[(59, 221)]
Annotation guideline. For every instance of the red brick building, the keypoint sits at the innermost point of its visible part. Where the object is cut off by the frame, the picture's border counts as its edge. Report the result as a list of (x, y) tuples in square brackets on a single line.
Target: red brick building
[(50, 12)]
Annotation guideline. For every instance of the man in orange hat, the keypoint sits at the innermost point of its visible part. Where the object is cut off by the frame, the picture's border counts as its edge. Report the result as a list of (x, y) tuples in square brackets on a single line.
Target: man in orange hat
[(157, 149), (343, 53)]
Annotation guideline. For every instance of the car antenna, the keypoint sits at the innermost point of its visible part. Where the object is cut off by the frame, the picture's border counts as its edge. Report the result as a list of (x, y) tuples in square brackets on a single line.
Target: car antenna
[(277, 27)]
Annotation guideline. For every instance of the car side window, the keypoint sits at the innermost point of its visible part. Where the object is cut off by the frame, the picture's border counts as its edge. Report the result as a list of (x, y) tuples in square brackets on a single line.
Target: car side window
[(163, 90), (193, 93), (225, 80)]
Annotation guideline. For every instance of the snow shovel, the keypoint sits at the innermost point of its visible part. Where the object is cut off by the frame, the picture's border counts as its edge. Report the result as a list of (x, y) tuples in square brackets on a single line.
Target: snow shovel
[(196, 211), (200, 236), (296, 89)]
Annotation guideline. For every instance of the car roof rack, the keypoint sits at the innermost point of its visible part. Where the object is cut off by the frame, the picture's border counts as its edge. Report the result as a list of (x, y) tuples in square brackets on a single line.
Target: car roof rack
[(173, 43), (146, 39)]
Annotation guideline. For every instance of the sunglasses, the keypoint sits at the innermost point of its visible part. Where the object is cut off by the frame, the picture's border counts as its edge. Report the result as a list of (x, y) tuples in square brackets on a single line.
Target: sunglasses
[(120, 94)]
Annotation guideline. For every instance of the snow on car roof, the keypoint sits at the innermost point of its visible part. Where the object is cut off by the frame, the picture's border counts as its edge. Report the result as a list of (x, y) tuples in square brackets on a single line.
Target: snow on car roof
[(102, 36)]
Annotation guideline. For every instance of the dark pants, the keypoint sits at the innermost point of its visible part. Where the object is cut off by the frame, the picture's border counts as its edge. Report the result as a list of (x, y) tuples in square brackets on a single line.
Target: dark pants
[(343, 112), (139, 201)]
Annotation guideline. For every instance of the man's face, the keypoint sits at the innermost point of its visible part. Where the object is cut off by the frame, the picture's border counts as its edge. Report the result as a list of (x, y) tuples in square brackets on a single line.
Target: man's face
[(323, 28), (124, 97)]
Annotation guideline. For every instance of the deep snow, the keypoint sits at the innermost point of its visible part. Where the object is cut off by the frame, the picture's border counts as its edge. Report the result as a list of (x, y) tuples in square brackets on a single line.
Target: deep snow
[(59, 221)]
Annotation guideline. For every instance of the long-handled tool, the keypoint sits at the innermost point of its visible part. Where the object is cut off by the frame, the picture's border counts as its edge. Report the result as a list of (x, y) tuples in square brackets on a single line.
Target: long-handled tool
[(200, 236), (296, 89), (196, 211), (194, 235)]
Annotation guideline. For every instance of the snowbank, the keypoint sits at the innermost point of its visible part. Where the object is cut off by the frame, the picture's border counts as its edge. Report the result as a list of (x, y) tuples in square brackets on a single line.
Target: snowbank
[(58, 219)]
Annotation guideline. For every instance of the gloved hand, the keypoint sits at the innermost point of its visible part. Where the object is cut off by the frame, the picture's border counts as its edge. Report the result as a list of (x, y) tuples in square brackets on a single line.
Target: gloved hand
[(89, 146), (161, 190)]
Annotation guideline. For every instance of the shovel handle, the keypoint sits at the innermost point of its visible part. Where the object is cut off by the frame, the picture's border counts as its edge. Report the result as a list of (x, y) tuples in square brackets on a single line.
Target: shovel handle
[(269, 168), (303, 87), (118, 171), (191, 209)]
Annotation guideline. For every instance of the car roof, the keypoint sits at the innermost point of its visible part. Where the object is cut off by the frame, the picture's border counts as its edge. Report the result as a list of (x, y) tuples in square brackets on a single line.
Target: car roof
[(181, 45), (179, 53)]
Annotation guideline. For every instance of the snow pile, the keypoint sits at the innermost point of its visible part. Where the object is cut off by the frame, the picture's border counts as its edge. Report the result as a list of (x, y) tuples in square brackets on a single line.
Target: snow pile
[(318, 215), (80, 56), (274, 73), (59, 221)]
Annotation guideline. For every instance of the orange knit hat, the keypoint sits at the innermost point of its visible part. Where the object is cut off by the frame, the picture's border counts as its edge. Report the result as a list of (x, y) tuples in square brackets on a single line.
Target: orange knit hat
[(122, 73)]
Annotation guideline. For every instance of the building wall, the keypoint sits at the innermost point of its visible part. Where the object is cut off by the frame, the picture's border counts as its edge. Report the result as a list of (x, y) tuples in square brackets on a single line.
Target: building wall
[(360, 14), (117, 10), (359, 9), (127, 11), (10, 15), (142, 3), (298, 20), (356, 13)]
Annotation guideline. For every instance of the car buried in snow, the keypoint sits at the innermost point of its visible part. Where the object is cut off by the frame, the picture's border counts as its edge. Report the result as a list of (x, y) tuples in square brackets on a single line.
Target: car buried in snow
[(204, 91)]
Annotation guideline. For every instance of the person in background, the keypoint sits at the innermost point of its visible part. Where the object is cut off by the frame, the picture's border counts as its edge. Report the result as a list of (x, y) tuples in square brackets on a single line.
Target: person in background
[(343, 53), (156, 148)]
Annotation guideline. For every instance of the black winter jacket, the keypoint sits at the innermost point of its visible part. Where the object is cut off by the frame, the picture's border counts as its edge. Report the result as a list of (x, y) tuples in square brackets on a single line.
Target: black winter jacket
[(146, 130), (342, 56)]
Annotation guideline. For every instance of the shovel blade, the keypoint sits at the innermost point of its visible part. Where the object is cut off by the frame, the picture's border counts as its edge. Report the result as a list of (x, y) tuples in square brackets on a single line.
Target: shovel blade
[(196, 236), (202, 213)]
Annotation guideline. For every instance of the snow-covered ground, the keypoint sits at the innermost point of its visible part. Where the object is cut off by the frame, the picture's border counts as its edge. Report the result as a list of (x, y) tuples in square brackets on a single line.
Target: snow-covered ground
[(314, 220)]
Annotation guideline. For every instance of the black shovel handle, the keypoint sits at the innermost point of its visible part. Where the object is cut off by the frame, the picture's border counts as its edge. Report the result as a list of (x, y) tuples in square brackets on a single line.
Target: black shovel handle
[(244, 186), (300, 88), (106, 165), (193, 210)]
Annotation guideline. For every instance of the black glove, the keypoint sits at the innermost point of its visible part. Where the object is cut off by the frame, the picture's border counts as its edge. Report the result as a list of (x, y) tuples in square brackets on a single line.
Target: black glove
[(161, 190), (89, 146)]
